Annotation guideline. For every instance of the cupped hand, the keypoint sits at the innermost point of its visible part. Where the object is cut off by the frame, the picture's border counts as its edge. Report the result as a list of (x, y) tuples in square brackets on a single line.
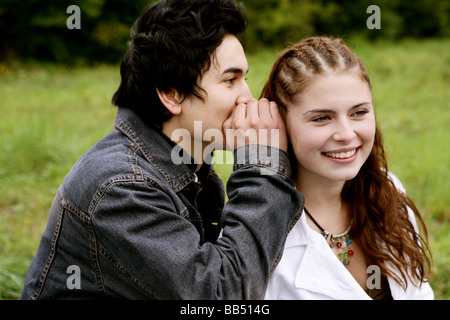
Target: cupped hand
[(256, 122)]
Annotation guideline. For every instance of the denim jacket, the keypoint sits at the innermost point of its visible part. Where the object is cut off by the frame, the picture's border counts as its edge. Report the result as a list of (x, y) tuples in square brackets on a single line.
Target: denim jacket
[(129, 223)]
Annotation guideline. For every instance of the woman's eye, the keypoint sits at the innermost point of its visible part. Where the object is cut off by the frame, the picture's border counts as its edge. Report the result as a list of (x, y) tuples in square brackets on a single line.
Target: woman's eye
[(360, 113), (321, 118)]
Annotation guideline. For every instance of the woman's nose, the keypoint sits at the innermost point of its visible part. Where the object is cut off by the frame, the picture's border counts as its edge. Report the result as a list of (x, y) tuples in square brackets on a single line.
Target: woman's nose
[(344, 132)]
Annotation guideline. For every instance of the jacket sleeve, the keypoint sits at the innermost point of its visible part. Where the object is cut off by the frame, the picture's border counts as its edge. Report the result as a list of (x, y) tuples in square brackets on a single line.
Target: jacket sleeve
[(159, 250)]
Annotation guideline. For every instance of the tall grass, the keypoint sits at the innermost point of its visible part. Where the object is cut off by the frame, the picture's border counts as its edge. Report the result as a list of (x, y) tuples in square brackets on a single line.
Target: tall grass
[(51, 115)]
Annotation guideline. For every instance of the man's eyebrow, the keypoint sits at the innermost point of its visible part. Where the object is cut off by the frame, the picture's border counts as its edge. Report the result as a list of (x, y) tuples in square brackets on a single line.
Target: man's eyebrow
[(331, 111), (234, 70)]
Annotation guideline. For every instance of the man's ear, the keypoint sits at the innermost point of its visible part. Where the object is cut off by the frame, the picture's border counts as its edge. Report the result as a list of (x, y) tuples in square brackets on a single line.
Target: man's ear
[(171, 100)]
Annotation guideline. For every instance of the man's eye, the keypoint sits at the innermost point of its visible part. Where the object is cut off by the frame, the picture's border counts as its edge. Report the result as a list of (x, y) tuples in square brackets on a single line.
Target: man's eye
[(230, 81)]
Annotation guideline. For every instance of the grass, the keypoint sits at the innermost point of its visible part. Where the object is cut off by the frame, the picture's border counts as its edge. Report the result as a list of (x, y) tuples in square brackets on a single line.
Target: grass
[(51, 115)]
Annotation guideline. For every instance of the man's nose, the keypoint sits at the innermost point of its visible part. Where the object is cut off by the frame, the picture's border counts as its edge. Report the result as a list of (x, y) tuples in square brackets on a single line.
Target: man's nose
[(245, 96)]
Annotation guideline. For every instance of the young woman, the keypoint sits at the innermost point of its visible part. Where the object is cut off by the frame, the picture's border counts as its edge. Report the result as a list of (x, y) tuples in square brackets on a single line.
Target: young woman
[(358, 237)]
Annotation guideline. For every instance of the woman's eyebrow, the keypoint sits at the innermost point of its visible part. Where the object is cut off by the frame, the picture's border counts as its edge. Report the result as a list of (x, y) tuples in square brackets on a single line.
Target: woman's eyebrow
[(333, 112)]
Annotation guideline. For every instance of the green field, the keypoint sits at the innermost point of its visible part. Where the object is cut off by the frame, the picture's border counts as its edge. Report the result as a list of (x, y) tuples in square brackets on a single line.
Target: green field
[(52, 114)]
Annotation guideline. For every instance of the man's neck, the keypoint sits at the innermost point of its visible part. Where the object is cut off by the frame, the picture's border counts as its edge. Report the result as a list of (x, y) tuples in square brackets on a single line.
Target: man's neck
[(185, 140)]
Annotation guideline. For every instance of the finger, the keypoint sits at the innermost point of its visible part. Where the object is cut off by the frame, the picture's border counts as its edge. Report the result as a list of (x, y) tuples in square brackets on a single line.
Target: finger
[(252, 110), (227, 123), (239, 114), (274, 111), (264, 110)]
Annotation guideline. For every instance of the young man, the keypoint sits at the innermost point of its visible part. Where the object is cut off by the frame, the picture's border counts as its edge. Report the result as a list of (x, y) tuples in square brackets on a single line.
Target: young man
[(130, 220)]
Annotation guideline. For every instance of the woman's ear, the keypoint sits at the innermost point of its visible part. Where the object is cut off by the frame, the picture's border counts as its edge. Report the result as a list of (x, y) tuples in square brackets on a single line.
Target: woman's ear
[(170, 100)]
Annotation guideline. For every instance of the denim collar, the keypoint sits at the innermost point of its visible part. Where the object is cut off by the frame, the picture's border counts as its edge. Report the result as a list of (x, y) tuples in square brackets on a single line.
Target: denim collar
[(155, 147)]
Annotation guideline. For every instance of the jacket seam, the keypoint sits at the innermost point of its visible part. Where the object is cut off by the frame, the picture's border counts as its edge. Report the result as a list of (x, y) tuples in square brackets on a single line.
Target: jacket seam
[(123, 126), (134, 162), (291, 224), (92, 241), (279, 170), (50, 257), (71, 208), (101, 191), (97, 248), (107, 255), (95, 262), (118, 179)]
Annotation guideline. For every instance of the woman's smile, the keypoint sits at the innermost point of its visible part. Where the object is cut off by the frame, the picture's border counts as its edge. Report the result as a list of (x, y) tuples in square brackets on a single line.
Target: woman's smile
[(347, 155), (332, 127)]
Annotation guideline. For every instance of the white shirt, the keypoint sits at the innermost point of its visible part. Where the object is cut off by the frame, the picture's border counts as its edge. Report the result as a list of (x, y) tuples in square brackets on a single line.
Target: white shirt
[(309, 269)]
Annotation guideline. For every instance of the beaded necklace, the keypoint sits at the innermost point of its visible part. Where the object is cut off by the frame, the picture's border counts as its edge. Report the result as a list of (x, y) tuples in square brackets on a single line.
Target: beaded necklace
[(342, 242)]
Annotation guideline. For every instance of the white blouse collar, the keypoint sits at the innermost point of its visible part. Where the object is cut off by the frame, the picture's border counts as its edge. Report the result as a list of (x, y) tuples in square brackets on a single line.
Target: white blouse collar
[(320, 270)]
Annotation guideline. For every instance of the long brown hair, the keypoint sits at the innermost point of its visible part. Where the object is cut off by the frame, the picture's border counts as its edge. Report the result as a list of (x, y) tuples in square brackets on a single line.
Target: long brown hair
[(381, 223)]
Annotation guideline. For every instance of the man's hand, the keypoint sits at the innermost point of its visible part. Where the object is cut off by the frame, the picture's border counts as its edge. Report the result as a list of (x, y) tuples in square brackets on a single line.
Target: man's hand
[(257, 122)]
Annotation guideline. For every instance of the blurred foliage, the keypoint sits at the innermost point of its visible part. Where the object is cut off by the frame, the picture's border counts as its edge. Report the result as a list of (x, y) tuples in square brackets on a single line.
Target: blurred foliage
[(275, 22), (36, 29)]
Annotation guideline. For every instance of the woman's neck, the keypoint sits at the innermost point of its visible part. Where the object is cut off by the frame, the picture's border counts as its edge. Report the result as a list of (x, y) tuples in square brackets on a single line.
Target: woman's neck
[(323, 200)]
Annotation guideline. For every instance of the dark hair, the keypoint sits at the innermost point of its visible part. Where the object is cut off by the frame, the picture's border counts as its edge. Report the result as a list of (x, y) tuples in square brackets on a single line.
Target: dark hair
[(171, 46)]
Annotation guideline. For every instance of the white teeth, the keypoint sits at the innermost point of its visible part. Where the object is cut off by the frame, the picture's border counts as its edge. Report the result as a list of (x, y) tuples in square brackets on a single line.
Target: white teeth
[(341, 155)]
